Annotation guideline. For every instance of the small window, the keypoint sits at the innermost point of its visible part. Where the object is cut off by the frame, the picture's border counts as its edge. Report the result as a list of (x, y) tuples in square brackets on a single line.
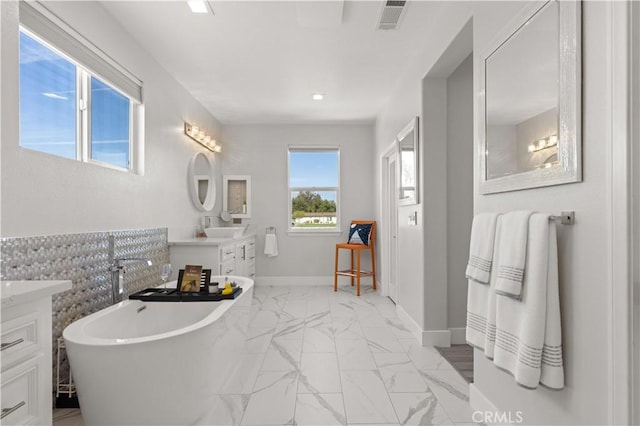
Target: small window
[(314, 189), (48, 100), (75, 102)]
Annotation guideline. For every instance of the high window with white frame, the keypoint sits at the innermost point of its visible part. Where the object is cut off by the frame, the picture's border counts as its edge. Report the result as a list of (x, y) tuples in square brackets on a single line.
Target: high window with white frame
[(74, 101), (314, 189)]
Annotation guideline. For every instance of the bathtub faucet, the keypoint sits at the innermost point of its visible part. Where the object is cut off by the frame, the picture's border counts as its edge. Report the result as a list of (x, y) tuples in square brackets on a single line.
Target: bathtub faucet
[(117, 270)]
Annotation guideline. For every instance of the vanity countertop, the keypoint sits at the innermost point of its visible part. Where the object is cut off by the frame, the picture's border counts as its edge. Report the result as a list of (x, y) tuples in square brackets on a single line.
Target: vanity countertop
[(208, 241), (16, 292)]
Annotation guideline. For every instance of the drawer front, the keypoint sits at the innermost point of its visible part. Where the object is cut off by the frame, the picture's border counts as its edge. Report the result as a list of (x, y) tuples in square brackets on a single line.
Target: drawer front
[(19, 338), (228, 253), (19, 398), (228, 268)]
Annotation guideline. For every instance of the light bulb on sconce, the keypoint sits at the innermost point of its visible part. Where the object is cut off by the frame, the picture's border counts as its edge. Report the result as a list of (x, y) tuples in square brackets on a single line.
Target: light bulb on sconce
[(200, 136), (544, 143)]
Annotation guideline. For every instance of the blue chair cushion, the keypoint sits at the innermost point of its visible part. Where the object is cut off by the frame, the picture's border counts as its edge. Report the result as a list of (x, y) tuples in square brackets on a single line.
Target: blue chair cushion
[(359, 234)]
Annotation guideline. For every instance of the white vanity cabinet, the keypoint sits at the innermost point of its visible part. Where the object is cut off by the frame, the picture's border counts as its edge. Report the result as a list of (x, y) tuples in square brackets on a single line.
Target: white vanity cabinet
[(26, 336), (224, 256)]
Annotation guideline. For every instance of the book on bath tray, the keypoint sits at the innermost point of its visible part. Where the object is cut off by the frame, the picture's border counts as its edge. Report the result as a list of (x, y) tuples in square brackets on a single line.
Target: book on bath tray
[(190, 282)]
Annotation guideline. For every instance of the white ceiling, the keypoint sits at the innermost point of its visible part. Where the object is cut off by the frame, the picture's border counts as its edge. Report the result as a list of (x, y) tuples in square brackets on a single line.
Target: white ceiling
[(260, 61)]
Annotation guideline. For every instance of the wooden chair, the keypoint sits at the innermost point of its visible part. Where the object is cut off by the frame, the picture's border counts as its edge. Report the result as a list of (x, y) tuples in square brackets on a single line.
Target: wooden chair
[(356, 273)]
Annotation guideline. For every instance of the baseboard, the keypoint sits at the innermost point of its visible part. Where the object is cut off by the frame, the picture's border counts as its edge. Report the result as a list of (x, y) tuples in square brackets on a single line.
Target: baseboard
[(295, 280), (413, 326), (441, 338), (458, 336)]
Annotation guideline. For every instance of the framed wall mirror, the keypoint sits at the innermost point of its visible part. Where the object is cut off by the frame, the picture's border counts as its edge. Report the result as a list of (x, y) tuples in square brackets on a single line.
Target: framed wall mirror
[(201, 182), (529, 102), (408, 177)]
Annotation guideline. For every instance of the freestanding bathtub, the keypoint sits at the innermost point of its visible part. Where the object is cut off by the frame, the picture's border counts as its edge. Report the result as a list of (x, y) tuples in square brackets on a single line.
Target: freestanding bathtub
[(152, 363)]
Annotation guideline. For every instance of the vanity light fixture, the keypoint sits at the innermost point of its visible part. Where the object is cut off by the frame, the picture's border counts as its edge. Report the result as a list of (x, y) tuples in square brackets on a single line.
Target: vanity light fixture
[(198, 135), (543, 143)]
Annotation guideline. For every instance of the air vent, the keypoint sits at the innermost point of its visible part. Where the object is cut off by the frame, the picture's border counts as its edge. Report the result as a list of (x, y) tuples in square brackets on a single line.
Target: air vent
[(391, 14)]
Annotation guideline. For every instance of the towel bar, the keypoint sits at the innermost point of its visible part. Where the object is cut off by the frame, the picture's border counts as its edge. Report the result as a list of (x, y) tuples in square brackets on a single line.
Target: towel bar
[(271, 230), (565, 218)]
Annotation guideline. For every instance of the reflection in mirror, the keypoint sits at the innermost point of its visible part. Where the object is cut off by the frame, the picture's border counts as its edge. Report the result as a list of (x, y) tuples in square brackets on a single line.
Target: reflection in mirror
[(529, 103), (202, 185), (408, 146), (522, 97)]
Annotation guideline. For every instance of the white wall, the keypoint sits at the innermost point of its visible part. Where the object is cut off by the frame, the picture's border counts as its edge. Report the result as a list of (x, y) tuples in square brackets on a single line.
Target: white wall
[(459, 188), (44, 194), (584, 249), (261, 152)]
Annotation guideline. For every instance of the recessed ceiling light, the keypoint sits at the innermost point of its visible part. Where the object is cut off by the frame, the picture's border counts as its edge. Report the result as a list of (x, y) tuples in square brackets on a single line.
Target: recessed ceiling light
[(317, 96), (198, 6)]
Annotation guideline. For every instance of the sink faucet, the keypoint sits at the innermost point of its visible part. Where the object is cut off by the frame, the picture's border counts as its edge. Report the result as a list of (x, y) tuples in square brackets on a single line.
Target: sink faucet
[(117, 270)]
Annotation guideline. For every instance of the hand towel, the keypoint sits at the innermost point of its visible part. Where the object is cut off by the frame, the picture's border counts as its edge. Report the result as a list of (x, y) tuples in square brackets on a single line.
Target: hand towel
[(483, 231), (271, 245), (513, 246), (481, 303), (528, 334)]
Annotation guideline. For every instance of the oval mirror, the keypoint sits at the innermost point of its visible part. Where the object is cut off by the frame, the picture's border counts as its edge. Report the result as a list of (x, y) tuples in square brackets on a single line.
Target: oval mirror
[(202, 184)]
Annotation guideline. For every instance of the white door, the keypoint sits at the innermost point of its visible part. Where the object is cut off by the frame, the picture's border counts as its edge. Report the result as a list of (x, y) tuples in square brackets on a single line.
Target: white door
[(392, 229)]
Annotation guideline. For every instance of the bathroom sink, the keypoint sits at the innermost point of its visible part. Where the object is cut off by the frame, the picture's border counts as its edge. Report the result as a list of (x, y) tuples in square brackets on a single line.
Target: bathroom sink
[(225, 232)]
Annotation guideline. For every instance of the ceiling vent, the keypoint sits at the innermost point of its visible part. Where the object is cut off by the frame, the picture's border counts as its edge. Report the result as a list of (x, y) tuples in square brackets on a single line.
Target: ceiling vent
[(392, 12)]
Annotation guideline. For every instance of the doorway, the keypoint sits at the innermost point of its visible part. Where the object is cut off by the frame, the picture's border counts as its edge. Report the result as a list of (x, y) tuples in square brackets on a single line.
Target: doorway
[(392, 228)]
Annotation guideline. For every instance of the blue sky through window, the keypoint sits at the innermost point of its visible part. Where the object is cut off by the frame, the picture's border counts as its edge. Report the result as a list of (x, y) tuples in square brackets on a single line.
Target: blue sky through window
[(314, 169), (47, 100)]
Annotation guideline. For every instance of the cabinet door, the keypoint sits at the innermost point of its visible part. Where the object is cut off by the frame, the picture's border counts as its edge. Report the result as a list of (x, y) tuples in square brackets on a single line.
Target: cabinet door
[(241, 259)]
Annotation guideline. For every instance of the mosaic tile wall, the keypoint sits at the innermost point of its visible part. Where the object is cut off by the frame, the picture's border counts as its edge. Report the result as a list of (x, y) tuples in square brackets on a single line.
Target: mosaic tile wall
[(84, 259)]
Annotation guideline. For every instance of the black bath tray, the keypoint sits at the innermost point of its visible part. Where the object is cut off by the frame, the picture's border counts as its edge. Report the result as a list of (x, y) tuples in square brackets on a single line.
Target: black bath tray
[(173, 295)]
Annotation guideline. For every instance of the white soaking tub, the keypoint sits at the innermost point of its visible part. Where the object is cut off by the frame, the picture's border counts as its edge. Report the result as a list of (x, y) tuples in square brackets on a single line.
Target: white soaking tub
[(152, 363)]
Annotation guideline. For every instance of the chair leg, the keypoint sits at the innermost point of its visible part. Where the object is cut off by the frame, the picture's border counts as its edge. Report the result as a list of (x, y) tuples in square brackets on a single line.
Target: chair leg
[(351, 267), (373, 267), (335, 273), (358, 274)]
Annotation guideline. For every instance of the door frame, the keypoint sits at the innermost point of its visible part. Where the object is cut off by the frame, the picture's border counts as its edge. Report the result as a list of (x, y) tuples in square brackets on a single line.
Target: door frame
[(386, 226)]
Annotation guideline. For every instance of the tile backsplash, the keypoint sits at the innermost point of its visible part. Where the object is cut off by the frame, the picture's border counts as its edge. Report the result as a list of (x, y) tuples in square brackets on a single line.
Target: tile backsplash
[(84, 259)]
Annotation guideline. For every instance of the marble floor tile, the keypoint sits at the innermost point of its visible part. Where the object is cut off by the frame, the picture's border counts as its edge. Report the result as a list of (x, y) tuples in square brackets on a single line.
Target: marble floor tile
[(258, 340), (354, 354), (319, 357), (399, 374), (419, 409), (398, 328), (427, 358), (292, 329), (283, 355), (381, 339), (244, 377), (347, 328), (365, 398), (67, 417), (319, 373), (228, 409), (320, 409), (273, 400), (318, 339), (452, 391)]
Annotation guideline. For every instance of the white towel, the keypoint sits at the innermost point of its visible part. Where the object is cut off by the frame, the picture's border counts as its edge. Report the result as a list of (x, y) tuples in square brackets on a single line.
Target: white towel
[(271, 245), (483, 231), (528, 336), (513, 246), (481, 304)]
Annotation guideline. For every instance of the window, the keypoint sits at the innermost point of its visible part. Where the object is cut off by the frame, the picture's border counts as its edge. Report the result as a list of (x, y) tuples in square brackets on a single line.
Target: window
[(314, 189), (74, 103)]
